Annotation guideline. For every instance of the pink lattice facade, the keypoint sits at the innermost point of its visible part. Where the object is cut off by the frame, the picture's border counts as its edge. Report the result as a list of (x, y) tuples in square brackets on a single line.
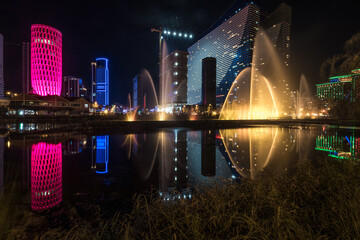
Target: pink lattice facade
[(46, 176), (46, 60)]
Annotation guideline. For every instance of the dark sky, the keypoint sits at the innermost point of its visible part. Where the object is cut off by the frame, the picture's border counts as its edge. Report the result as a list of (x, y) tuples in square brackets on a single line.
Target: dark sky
[(120, 31)]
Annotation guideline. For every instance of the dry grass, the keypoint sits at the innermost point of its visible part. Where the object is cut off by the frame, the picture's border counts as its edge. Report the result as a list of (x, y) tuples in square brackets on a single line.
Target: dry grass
[(319, 201)]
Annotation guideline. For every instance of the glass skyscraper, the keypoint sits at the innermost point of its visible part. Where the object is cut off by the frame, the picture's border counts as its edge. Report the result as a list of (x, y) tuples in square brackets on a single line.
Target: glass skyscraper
[(231, 42), (102, 81)]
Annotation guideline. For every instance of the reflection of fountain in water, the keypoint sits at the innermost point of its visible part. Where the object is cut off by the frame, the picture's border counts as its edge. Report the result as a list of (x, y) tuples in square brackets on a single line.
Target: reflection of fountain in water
[(142, 151), (46, 176), (249, 149), (302, 98), (259, 92)]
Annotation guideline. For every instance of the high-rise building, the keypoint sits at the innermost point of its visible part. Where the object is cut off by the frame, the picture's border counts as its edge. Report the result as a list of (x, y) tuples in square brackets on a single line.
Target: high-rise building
[(175, 68), (26, 77), (208, 79), (231, 42), (102, 81), (1, 66), (93, 82), (46, 60), (138, 93), (82, 89), (71, 87), (277, 26), (46, 175)]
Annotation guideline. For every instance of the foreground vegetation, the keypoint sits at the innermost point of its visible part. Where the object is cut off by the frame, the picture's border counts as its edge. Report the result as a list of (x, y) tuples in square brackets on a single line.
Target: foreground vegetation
[(319, 200)]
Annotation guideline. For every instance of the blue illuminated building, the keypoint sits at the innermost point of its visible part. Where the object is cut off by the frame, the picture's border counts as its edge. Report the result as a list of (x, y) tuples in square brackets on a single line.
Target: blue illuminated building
[(230, 41), (102, 81), (102, 154)]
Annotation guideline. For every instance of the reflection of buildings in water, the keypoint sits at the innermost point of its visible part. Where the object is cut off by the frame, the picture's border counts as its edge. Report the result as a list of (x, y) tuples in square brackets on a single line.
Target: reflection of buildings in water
[(173, 165), (100, 154), (208, 153), (250, 150), (74, 146), (46, 175), (202, 168), (341, 146), (2, 166)]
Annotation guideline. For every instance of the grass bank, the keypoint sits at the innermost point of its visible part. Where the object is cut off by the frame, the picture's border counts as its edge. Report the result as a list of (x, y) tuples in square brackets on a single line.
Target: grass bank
[(319, 200)]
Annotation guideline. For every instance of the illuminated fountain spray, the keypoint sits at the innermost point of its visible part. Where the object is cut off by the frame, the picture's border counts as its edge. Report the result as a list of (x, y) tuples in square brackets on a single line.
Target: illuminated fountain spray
[(165, 83), (131, 112), (46, 176), (302, 98), (260, 91)]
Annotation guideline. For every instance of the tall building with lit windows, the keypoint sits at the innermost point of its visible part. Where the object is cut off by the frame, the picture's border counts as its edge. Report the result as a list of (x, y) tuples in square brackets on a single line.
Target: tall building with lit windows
[(46, 60), (231, 42), (93, 82), (175, 67), (102, 81), (277, 26)]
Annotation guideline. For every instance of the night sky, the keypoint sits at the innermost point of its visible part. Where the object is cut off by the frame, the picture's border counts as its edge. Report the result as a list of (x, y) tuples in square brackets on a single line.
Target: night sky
[(120, 31)]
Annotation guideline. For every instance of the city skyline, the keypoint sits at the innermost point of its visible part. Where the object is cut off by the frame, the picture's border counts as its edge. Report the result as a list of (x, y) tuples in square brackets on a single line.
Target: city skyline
[(308, 28)]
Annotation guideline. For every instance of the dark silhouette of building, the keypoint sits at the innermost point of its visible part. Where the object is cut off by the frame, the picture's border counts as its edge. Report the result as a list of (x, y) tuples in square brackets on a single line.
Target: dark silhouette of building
[(1, 66), (71, 87), (26, 77), (139, 97), (208, 78), (208, 153)]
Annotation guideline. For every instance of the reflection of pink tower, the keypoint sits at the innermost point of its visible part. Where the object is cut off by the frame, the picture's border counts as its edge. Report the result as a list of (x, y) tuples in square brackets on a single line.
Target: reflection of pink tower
[(46, 60), (46, 175)]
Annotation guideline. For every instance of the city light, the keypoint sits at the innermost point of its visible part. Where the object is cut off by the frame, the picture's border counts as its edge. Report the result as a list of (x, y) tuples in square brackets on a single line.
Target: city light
[(176, 34)]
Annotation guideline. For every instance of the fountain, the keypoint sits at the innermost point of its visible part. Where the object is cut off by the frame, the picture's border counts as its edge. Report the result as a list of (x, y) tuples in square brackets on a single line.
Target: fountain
[(303, 96), (260, 91), (131, 112)]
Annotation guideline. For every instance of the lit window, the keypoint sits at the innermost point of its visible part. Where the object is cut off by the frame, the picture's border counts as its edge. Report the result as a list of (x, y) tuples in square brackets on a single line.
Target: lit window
[(176, 64)]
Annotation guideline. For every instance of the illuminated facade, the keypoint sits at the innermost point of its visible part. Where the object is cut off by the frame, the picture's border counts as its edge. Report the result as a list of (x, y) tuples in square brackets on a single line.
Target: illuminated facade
[(231, 42), (1, 66), (46, 175), (277, 27), (341, 88), (175, 65), (102, 81), (338, 145), (46, 60), (102, 154), (93, 82)]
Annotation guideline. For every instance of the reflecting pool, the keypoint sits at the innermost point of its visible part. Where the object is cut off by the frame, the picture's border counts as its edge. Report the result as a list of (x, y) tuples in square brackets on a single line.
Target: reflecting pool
[(46, 173)]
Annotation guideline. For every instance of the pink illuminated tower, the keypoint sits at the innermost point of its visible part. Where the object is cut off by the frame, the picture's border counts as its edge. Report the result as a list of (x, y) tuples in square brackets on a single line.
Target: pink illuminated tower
[(46, 60), (46, 176)]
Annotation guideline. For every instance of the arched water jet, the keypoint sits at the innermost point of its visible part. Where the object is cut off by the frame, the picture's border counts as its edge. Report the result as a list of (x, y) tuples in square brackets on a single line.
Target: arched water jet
[(259, 92), (250, 150)]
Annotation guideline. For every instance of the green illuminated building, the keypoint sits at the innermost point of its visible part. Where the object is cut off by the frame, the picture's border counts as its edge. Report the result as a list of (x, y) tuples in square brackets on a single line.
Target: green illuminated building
[(341, 88)]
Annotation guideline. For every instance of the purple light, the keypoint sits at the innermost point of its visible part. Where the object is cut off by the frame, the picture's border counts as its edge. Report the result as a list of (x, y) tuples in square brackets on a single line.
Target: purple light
[(46, 60), (46, 176)]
